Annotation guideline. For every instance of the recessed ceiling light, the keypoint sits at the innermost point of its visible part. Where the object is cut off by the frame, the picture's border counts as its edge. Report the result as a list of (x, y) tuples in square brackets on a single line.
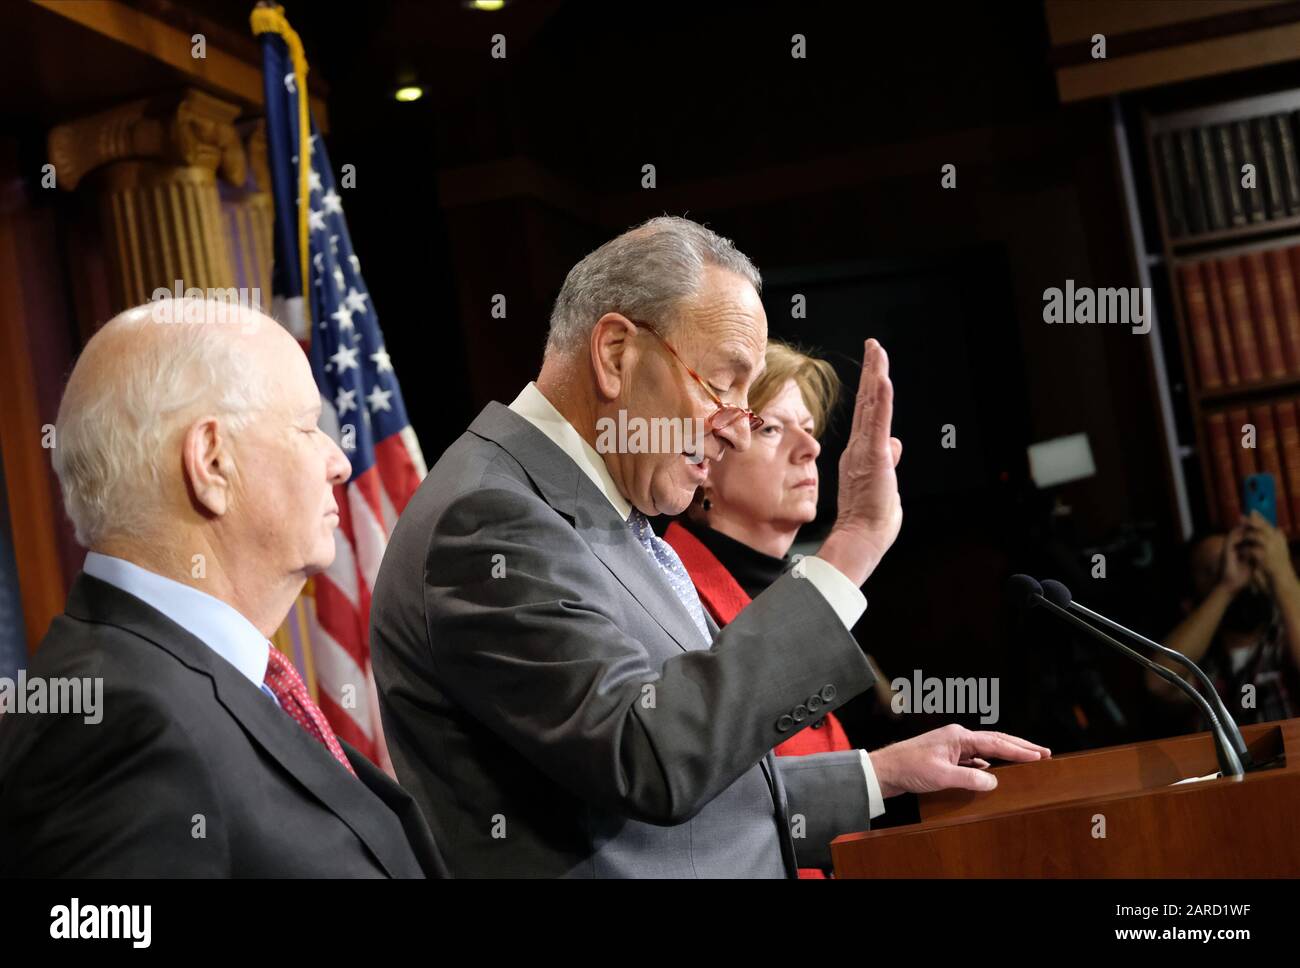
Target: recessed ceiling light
[(488, 4), (411, 93)]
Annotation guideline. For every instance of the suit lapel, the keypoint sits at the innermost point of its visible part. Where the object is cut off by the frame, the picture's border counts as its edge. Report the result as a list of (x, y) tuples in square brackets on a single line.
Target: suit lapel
[(310, 764), (567, 489), (266, 724), (615, 545)]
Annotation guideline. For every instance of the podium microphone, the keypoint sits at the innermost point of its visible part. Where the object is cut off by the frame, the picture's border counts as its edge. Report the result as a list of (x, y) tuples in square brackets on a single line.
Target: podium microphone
[(1027, 593), (1057, 593)]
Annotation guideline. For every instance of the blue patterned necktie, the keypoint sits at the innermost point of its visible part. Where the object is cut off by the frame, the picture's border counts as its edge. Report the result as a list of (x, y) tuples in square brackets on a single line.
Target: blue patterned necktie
[(662, 554)]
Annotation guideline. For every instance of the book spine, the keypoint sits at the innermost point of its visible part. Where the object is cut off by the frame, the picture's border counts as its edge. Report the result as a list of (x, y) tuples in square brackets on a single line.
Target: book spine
[(1270, 461), (1231, 175), (1272, 172), (1198, 320), (1222, 324), (1214, 211), (1288, 306), (1288, 435), (1167, 153), (1225, 474), (1243, 331), (1191, 183), (1253, 197), (1261, 302), (1286, 155)]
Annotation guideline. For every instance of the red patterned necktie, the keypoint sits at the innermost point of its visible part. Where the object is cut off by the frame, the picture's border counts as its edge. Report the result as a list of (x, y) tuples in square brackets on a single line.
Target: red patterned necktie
[(283, 680)]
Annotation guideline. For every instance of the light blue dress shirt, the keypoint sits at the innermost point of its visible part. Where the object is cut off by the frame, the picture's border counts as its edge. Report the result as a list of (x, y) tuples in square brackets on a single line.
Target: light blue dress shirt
[(210, 620)]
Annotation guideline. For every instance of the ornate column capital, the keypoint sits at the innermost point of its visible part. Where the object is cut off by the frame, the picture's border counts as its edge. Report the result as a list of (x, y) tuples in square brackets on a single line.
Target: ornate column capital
[(188, 128)]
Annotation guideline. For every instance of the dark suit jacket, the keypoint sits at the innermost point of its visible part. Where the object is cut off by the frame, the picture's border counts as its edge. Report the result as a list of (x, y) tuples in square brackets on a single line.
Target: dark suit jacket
[(187, 744), (551, 705)]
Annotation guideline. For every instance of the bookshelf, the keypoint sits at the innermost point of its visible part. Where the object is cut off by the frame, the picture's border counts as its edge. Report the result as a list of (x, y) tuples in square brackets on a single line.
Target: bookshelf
[(1232, 256)]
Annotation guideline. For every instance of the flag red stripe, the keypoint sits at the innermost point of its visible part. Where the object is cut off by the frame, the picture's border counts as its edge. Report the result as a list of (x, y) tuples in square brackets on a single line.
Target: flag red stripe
[(396, 470)]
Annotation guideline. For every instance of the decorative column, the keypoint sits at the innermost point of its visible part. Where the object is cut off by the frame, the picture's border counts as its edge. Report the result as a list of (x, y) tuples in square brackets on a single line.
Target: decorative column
[(154, 165), (250, 216)]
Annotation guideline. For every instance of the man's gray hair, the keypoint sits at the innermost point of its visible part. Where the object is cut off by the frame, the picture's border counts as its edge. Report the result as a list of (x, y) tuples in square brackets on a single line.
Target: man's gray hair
[(111, 442), (644, 274)]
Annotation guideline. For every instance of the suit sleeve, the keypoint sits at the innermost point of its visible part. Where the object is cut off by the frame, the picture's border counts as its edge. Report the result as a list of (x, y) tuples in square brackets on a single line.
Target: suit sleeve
[(127, 796), (827, 796), (543, 664)]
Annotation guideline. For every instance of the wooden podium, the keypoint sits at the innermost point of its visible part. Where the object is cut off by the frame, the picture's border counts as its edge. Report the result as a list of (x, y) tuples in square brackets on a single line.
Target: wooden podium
[(1045, 818)]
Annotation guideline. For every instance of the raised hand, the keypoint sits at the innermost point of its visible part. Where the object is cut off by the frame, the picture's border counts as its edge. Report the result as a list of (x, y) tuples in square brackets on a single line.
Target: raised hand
[(870, 511)]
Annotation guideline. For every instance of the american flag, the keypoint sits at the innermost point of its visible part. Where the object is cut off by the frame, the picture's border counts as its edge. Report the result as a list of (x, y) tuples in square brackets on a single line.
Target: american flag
[(327, 634)]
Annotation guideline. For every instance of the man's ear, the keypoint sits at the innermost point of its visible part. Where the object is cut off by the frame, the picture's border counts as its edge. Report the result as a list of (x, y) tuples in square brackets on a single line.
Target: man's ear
[(208, 465), (611, 338)]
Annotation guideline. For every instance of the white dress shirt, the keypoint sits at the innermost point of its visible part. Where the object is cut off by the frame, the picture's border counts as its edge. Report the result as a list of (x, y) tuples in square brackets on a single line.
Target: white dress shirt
[(847, 601)]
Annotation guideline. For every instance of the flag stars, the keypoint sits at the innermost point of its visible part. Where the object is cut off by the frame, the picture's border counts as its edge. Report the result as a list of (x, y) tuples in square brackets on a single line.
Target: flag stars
[(345, 358), (339, 281), (333, 204), (378, 399), (317, 220), (345, 401), (313, 180), (291, 83), (383, 362), (357, 300), (343, 316), (334, 245)]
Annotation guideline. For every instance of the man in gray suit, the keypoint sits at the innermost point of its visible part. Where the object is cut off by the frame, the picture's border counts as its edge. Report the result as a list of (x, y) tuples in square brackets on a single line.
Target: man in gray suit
[(553, 693)]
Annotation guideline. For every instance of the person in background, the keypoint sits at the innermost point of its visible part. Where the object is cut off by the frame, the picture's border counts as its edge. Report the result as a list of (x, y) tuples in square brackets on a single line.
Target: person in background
[(735, 539), (1244, 628)]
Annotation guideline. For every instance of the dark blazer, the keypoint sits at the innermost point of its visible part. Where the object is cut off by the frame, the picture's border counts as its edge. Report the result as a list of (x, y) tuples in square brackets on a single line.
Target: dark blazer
[(187, 744), (551, 705)]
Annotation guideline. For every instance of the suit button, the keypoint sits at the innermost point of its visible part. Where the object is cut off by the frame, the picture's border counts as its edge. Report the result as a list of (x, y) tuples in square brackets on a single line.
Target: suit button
[(800, 713), (818, 725), (784, 723), (815, 703), (828, 693)]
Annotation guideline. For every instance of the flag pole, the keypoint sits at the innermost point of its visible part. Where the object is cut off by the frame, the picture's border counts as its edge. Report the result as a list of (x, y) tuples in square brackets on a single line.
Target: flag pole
[(269, 18)]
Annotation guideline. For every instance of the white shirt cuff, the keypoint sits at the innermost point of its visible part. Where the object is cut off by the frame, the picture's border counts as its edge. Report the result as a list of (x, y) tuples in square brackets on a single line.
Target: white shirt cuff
[(875, 801), (848, 602)]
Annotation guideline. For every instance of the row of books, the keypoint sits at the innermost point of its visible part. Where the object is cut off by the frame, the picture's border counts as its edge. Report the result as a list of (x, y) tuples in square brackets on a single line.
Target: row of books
[(1201, 173), (1276, 451), (1243, 316)]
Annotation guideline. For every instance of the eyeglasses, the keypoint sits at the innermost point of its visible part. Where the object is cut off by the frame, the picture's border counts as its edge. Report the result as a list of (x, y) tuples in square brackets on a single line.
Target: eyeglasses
[(726, 415)]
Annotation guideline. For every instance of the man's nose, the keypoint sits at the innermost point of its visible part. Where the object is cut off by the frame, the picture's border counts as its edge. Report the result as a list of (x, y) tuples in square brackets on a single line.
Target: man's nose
[(736, 434), (337, 465)]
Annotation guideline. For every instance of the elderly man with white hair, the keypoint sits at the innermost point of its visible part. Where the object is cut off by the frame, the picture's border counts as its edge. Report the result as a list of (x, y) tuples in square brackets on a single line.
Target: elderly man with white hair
[(553, 692), (193, 469)]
